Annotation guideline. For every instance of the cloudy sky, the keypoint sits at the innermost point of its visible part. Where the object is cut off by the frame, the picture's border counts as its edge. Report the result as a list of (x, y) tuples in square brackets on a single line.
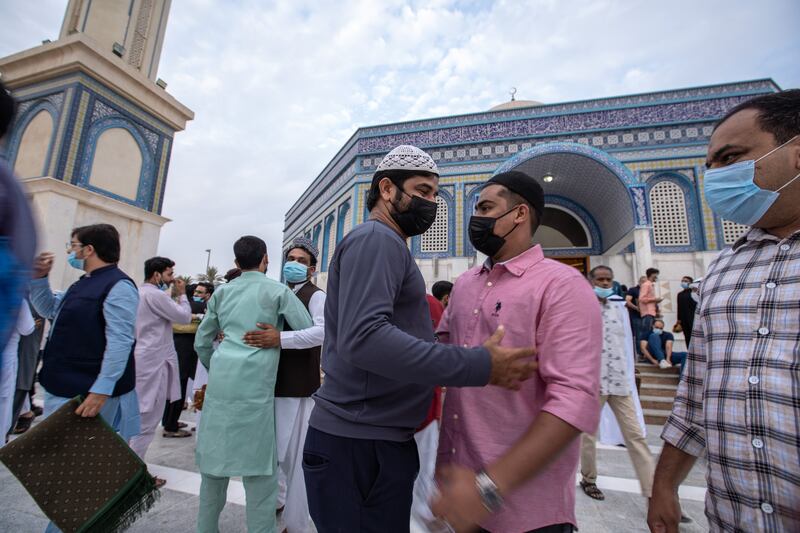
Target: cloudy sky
[(278, 87)]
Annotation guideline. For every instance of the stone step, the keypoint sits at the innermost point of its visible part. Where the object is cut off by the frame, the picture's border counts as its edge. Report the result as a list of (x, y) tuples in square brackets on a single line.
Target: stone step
[(656, 402), (659, 379), (656, 416), (648, 367), (654, 389)]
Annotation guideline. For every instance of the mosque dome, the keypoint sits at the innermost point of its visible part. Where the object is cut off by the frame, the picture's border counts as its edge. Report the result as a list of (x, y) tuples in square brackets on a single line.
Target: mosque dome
[(515, 104)]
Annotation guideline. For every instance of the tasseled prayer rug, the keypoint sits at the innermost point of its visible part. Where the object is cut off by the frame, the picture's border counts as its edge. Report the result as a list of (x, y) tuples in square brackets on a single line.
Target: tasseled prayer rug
[(81, 472)]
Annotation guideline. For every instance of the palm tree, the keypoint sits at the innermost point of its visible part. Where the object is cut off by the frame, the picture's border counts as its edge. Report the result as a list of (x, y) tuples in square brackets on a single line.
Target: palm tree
[(211, 275), (187, 279)]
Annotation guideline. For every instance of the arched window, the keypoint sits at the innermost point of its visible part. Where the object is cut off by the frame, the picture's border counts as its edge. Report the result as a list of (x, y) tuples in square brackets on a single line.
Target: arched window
[(328, 242), (731, 231), (436, 238), (668, 207), (346, 221)]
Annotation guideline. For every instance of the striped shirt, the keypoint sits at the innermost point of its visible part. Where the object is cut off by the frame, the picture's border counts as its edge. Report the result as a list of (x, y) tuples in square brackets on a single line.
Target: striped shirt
[(739, 398)]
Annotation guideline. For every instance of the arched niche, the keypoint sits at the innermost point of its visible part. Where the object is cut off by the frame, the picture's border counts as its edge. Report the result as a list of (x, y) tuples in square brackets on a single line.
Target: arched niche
[(117, 163), (31, 160)]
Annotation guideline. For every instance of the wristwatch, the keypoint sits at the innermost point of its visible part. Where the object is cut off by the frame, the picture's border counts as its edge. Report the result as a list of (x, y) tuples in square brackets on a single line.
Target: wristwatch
[(488, 491)]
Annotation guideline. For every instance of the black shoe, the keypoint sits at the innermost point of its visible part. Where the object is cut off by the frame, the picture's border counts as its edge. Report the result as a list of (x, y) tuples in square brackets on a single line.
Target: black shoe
[(37, 411)]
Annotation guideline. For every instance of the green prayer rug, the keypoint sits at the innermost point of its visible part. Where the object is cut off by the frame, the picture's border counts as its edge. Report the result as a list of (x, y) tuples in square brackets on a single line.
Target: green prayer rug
[(81, 472)]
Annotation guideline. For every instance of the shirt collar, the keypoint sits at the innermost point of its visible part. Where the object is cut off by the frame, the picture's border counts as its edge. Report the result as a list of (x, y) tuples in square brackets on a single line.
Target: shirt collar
[(516, 265), (299, 286), (754, 235)]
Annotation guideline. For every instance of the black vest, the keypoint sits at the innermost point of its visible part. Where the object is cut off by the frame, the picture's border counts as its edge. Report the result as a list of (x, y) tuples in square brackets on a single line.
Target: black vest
[(74, 353), (298, 370)]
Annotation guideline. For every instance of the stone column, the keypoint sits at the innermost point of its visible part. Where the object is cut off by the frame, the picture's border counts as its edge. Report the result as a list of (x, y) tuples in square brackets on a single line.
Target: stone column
[(643, 256)]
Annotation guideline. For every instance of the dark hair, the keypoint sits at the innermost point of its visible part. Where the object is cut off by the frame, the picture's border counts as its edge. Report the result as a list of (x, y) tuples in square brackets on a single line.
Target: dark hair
[(208, 286), (650, 271), (104, 238), (514, 200), (232, 274), (313, 261), (659, 320), (441, 289), (593, 271), (398, 177), (249, 251), (689, 278), (778, 113), (8, 109), (157, 264)]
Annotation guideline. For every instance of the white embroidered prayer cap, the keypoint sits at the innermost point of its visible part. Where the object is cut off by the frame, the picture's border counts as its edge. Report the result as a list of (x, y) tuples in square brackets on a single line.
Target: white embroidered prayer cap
[(407, 157)]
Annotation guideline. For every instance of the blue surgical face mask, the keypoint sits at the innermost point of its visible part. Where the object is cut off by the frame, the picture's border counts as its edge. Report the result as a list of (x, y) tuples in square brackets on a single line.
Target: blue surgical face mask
[(603, 293), (74, 262), (198, 299), (685, 285), (733, 195), (658, 331), (295, 272)]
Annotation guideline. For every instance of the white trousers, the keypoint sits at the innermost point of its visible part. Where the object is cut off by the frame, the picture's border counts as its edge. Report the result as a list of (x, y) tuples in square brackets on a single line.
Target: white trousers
[(428, 446), (291, 425), (8, 385), (150, 418)]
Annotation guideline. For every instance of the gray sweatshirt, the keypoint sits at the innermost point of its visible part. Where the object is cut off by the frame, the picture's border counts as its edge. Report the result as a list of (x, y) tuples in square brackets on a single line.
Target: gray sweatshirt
[(379, 356)]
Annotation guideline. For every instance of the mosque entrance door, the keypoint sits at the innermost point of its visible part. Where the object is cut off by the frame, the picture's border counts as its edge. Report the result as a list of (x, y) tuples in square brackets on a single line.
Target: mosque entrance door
[(564, 237), (581, 263)]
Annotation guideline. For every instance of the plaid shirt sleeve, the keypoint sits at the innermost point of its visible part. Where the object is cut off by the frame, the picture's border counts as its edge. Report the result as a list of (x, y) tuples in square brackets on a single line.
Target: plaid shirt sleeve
[(684, 428)]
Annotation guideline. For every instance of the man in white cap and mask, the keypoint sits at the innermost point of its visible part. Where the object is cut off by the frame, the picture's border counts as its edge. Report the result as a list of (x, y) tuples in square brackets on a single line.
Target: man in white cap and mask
[(380, 360)]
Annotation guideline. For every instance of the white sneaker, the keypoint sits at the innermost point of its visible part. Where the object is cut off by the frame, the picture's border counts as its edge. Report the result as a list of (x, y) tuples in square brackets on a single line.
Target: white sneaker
[(664, 364)]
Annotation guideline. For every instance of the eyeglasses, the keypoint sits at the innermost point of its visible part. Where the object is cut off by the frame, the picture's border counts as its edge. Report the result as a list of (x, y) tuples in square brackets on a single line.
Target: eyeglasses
[(72, 245)]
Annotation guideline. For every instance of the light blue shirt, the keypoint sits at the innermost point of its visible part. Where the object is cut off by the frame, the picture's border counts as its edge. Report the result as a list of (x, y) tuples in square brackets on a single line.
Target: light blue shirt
[(119, 311)]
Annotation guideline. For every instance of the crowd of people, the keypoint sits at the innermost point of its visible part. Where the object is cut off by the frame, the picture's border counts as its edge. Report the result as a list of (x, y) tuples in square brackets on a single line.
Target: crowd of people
[(468, 409)]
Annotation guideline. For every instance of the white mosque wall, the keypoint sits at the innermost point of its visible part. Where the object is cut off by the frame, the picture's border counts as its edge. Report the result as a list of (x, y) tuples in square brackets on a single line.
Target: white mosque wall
[(60, 207)]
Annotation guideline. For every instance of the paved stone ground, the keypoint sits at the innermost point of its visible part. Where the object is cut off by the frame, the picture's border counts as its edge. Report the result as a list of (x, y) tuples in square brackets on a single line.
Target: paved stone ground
[(622, 511)]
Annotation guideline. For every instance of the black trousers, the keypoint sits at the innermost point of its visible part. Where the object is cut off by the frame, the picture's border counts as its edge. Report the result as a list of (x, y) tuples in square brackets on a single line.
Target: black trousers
[(187, 362), (358, 484)]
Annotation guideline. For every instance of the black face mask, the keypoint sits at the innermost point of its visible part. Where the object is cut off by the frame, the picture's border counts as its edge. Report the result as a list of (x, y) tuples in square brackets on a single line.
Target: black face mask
[(481, 234), (417, 218)]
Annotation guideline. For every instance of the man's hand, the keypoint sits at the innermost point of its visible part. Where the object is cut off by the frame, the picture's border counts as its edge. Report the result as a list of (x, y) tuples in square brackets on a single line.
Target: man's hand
[(91, 406), (664, 512), (459, 502), (42, 265), (264, 337), (178, 287), (509, 366)]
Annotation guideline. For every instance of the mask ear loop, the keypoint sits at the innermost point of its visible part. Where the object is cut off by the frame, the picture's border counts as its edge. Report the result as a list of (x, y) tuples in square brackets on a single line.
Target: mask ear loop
[(776, 149)]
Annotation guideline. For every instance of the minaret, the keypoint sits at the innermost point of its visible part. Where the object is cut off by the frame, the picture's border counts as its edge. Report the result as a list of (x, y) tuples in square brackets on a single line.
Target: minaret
[(131, 29), (95, 125)]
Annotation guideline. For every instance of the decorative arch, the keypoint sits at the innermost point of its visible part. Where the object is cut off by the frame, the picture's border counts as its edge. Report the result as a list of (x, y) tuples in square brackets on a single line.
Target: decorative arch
[(589, 178), (317, 233), (576, 211), (145, 192), (20, 127), (673, 212)]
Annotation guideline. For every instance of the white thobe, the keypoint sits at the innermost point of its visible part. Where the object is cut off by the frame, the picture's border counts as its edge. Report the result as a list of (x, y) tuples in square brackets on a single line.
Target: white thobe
[(8, 369)]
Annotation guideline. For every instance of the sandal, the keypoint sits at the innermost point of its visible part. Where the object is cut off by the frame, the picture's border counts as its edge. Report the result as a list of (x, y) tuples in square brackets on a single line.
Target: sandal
[(23, 424), (182, 425), (180, 434), (591, 490)]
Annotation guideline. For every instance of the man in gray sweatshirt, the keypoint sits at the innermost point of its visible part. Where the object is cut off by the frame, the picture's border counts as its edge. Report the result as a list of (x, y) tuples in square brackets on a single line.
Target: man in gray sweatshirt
[(380, 360)]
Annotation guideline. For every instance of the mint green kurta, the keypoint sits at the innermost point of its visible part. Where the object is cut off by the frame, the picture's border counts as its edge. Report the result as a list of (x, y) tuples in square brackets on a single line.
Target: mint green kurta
[(237, 430)]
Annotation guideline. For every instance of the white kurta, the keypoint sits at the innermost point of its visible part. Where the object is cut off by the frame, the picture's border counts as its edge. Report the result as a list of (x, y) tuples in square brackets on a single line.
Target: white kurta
[(8, 369), (608, 431), (157, 378)]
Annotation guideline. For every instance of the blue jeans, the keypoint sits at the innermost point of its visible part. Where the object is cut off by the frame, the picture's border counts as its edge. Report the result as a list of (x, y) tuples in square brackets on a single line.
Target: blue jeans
[(645, 329), (656, 350)]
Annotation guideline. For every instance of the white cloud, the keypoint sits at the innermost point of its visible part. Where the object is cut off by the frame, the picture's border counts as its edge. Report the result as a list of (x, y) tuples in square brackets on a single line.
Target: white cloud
[(278, 87)]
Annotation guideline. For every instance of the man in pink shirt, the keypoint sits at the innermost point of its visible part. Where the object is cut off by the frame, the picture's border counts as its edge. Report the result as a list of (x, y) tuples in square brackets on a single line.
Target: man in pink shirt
[(648, 307), (507, 459)]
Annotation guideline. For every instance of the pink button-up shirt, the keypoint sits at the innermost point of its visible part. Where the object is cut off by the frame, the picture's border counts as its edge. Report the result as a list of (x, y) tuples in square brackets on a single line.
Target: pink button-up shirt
[(549, 305)]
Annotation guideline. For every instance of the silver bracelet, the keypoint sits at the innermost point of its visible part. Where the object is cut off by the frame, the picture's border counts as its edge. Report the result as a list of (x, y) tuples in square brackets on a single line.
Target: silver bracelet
[(489, 494)]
